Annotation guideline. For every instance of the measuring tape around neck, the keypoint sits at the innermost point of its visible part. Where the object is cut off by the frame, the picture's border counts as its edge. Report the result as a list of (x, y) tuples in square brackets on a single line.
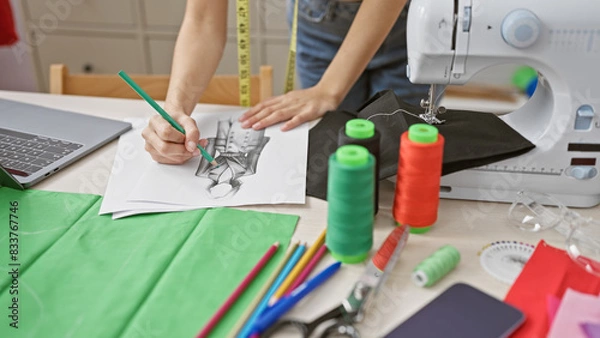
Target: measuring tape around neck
[(243, 50)]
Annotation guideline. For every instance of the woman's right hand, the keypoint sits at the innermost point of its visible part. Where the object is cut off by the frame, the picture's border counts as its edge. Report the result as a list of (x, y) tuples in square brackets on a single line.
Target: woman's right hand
[(167, 145)]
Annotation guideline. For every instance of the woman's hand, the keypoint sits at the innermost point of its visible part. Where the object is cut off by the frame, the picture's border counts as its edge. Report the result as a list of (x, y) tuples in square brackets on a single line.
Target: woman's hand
[(295, 107), (167, 145)]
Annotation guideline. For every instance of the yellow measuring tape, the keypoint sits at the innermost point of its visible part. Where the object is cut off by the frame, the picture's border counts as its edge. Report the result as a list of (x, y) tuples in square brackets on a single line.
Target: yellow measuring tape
[(243, 43), (290, 69), (243, 50)]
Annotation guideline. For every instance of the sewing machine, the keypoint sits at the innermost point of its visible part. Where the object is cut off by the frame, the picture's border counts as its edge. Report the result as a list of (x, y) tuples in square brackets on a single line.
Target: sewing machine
[(451, 40)]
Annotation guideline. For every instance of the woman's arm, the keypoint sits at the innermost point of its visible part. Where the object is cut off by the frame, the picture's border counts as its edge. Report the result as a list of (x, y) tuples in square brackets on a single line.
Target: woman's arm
[(198, 50), (373, 22)]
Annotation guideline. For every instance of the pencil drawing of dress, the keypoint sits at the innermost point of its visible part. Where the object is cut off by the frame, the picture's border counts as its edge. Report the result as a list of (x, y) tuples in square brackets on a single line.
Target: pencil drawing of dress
[(236, 151)]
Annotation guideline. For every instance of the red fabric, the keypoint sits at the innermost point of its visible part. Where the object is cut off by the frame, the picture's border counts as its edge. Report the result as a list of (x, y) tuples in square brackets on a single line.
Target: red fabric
[(8, 35), (549, 271)]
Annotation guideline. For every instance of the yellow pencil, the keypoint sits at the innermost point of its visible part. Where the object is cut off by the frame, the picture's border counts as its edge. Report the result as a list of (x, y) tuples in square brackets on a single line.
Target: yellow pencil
[(263, 291), (298, 268)]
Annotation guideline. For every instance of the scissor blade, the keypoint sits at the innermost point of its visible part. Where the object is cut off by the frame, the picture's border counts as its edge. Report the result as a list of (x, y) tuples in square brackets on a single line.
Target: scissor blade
[(376, 271)]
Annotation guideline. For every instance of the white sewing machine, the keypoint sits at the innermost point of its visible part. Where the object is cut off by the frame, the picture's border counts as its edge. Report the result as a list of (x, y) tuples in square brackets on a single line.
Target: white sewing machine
[(451, 40)]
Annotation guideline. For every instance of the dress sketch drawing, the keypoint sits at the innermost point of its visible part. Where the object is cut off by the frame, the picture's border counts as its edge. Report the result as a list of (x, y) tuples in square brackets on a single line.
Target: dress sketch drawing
[(236, 151)]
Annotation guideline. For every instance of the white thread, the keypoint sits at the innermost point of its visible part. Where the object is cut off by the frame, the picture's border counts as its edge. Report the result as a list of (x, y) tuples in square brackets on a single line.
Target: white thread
[(395, 112)]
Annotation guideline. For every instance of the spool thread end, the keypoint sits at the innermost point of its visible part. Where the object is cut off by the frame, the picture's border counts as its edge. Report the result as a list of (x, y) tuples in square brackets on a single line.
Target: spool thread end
[(419, 278)]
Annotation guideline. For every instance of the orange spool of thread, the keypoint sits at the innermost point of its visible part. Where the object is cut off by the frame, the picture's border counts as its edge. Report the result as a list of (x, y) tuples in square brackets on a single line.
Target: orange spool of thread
[(418, 178)]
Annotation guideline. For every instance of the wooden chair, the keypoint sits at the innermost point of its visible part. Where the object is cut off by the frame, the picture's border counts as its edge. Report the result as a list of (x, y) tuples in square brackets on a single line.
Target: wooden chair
[(222, 89)]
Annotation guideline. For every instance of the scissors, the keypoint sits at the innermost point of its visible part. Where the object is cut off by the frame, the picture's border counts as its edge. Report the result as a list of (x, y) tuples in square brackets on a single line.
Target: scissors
[(343, 318)]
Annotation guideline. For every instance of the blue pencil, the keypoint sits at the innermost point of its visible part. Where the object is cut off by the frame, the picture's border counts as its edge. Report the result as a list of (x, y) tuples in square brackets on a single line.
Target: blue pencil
[(247, 329), (272, 314)]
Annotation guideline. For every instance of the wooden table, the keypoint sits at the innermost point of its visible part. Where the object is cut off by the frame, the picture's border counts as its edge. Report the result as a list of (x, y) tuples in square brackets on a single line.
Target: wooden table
[(467, 225)]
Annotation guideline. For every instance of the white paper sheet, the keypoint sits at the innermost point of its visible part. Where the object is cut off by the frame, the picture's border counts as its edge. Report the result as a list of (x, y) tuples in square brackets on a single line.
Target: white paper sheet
[(278, 176), (131, 159), (139, 185)]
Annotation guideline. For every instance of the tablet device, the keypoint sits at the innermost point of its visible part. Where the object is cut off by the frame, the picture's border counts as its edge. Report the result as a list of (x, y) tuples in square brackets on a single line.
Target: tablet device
[(461, 311)]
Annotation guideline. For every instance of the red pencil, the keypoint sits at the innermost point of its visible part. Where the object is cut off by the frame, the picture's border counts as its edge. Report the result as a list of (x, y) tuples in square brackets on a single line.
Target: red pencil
[(309, 267), (238, 291)]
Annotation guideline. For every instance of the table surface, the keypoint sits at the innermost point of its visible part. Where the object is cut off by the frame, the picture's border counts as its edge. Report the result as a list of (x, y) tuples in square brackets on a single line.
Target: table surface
[(467, 225)]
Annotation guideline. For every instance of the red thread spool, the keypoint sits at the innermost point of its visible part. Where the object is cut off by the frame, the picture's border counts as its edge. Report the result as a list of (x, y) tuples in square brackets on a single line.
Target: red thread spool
[(418, 177)]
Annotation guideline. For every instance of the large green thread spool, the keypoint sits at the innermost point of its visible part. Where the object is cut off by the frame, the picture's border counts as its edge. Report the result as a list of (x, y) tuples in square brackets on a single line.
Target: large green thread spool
[(350, 195), (436, 266)]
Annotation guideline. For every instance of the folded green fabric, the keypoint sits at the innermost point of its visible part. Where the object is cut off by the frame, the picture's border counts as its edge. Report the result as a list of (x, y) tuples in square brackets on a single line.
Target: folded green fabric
[(159, 275)]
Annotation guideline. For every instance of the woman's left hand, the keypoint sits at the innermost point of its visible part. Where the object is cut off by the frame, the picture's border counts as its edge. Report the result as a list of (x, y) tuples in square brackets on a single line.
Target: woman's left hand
[(295, 107)]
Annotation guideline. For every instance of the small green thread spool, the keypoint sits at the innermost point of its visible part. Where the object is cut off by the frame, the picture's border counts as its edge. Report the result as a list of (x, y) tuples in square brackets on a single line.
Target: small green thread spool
[(362, 132), (436, 266), (350, 187), (360, 129)]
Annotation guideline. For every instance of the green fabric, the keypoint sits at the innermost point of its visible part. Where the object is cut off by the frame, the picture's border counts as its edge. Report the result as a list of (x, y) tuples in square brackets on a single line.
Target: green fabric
[(160, 275)]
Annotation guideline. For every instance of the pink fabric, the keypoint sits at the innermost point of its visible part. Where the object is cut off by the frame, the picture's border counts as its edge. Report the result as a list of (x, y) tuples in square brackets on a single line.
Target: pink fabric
[(575, 308), (552, 303)]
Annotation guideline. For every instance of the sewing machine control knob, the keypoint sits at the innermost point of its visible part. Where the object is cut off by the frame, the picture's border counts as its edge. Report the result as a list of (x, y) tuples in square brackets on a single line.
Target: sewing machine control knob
[(584, 118), (583, 172), (521, 28)]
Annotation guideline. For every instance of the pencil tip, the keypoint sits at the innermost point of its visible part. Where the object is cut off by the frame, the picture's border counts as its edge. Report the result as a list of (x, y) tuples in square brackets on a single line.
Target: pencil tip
[(214, 163)]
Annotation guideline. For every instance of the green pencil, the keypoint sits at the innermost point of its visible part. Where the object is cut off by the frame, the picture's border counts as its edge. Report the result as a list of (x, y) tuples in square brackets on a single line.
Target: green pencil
[(162, 112)]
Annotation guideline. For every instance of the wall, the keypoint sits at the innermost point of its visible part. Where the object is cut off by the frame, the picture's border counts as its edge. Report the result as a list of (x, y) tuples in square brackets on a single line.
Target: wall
[(16, 67)]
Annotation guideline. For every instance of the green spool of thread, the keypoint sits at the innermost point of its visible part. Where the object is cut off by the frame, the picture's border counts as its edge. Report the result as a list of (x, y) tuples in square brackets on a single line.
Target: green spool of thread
[(436, 266), (360, 128), (350, 187), (523, 76)]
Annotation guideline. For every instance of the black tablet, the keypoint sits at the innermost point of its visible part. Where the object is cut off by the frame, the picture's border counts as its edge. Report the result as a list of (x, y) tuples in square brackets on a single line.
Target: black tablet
[(461, 311)]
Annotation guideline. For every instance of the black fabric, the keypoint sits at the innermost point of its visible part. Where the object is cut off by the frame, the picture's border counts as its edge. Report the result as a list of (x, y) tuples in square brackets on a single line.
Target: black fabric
[(372, 144), (472, 139)]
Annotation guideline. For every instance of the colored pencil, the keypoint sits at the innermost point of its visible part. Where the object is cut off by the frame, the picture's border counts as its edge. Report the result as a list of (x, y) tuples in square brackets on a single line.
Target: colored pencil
[(271, 315), (263, 291), (238, 291), (298, 268), (309, 267), (162, 112), (247, 329)]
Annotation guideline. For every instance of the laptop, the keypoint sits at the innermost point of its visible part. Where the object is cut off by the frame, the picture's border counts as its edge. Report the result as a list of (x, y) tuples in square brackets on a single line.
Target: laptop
[(36, 142)]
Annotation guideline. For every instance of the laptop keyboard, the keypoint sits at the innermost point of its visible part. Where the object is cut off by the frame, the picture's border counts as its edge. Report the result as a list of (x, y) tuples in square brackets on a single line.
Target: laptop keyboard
[(24, 154)]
